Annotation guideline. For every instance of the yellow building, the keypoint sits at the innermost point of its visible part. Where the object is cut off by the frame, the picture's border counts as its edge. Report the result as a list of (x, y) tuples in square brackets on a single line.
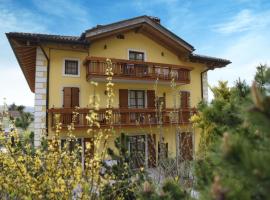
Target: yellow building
[(145, 56)]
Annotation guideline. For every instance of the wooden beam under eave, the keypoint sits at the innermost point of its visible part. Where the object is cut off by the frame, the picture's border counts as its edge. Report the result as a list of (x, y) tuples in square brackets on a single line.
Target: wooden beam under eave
[(26, 55), (139, 29)]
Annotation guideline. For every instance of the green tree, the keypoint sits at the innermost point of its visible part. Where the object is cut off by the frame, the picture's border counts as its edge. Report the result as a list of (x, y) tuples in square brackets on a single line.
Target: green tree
[(235, 165), (12, 107), (169, 191), (24, 120), (262, 76)]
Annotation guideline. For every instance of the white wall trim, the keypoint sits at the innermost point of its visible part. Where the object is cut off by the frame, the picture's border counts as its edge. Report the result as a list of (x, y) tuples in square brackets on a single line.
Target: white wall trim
[(40, 95), (70, 75), (205, 86)]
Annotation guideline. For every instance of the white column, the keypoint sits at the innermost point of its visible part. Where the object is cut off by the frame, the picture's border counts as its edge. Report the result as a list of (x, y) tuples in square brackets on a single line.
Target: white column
[(40, 96), (205, 86)]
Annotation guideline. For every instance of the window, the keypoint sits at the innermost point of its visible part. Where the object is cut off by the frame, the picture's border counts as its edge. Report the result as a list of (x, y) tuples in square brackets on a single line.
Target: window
[(166, 72), (71, 67), (129, 69), (157, 70), (135, 55), (162, 72), (136, 99), (137, 150), (138, 146), (174, 73), (185, 146)]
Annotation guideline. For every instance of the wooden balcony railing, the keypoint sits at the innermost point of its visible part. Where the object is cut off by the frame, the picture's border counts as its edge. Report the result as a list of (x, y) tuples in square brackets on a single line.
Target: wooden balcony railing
[(120, 117), (137, 70)]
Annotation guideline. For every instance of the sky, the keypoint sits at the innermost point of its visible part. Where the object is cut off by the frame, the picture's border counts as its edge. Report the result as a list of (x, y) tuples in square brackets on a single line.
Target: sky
[(237, 30)]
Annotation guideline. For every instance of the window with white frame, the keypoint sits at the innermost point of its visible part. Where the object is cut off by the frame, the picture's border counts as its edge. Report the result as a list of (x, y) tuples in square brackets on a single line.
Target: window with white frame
[(71, 67), (136, 55)]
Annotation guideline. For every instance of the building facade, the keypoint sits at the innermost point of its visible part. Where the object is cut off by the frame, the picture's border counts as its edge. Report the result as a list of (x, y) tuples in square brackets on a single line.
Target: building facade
[(147, 105)]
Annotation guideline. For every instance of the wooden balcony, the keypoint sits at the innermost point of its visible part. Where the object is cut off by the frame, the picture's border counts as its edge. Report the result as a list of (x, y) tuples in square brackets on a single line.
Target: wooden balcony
[(120, 117), (136, 70)]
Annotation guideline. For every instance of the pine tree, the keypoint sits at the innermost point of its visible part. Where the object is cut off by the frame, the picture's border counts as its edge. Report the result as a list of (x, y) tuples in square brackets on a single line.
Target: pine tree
[(235, 164), (169, 191), (124, 180)]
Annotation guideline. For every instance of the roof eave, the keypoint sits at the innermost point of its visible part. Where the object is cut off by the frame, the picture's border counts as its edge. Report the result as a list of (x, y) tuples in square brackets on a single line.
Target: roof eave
[(210, 62), (9, 37)]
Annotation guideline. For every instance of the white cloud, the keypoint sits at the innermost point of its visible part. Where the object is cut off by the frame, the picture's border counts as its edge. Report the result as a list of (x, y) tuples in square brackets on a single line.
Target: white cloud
[(64, 9), (245, 20), (13, 85), (245, 53)]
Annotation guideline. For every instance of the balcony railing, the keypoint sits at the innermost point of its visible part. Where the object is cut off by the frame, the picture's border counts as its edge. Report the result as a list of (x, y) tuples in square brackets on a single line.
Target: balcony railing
[(137, 70), (120, 117)]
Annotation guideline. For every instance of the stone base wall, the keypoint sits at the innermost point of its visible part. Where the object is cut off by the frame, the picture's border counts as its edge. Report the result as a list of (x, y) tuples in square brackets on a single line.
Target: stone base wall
[(40, 96)]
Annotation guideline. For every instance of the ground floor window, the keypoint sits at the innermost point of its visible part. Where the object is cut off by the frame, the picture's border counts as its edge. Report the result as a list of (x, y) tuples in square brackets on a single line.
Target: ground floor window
[(137, 151), (185, 146), (142, 150), (162, 150)]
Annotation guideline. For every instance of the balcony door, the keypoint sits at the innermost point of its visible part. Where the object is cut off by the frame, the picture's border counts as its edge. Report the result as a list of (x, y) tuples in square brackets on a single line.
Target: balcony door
[(136, 69), (136, 101)]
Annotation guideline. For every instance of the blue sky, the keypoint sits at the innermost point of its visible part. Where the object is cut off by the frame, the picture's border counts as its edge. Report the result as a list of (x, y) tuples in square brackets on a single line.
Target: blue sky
[(234, 29)]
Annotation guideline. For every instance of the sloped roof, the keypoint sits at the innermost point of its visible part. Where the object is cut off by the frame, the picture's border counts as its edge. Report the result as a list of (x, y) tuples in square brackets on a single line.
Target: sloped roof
[(144, 22), (48, 37)]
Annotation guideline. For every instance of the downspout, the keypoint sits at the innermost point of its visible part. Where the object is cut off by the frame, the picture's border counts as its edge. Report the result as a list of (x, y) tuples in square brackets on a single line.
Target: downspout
[(202, 81), (47, 88)]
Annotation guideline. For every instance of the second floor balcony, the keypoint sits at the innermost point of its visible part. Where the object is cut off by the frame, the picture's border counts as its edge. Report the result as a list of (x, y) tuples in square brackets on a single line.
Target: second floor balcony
[(131, 70), (120, 117)]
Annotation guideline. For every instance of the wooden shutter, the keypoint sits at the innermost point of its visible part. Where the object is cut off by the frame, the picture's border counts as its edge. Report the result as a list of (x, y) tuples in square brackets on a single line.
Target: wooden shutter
[(151, 141), (186, 146), (123, 98), (185, 102), (75, 97), (67, 97), (151, 98)]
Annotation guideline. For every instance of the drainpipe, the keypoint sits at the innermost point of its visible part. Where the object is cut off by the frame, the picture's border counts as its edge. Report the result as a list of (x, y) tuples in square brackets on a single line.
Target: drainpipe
[(47, 88)]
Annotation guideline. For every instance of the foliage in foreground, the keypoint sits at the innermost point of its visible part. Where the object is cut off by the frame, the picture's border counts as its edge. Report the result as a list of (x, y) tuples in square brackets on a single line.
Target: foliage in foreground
[(124, 180), (235, 148)]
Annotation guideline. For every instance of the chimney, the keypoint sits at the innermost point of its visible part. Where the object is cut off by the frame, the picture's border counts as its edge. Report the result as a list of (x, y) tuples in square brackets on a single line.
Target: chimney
[(155, 19)]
